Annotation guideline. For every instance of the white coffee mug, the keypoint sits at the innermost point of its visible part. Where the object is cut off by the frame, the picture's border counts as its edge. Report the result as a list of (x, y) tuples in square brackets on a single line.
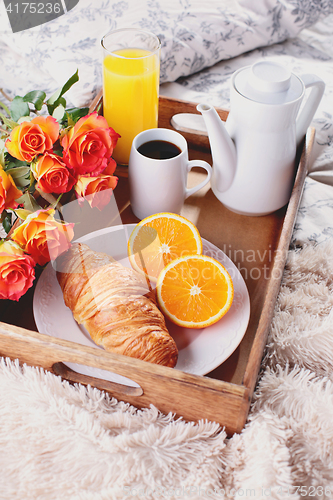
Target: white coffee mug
[(159, 185)]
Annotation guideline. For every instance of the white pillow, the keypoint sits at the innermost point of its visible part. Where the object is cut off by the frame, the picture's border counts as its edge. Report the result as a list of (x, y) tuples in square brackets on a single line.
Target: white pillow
[(195, 34)]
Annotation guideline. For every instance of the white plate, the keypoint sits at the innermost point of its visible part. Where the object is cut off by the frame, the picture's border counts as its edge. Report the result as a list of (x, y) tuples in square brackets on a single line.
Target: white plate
[(200, 351)]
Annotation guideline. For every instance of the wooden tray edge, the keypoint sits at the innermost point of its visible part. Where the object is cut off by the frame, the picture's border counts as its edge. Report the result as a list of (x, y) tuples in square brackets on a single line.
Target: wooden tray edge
[(267, 313), (225, 401)]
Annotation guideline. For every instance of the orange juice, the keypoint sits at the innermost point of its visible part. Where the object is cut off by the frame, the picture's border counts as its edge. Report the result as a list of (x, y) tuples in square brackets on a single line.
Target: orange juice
[(130, 95)]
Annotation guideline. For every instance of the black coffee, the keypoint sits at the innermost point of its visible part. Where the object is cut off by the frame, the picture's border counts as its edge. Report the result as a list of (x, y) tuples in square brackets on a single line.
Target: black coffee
[(159, 150)]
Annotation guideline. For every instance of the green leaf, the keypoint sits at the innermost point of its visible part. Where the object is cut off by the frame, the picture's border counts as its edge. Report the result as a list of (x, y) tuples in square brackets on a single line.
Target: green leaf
[(20, 175), (29, 202), (5, 107), (33, 183), (22, 213), (2, 153), (60, 92), (54, 97), (59, 102), (73, 79), (25, 119), (7, 121), (6, 221), (59, 112), (12, 162), (36, 97), (7, 224), (19, 108), (59, 152), (74, 114)]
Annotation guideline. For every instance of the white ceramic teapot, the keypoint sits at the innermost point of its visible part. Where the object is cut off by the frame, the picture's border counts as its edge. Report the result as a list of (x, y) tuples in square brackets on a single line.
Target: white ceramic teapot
[(254, 152)]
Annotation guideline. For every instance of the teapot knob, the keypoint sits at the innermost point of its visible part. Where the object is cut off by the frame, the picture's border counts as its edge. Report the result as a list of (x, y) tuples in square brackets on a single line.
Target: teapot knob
[(267, 82), (268, 76)]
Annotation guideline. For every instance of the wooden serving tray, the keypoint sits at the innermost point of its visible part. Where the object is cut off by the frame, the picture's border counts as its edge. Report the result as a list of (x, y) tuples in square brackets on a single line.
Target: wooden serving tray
[(257, 245)]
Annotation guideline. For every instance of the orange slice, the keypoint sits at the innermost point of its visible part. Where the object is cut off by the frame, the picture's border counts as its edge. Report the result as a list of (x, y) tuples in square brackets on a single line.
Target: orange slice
[(159, 239), (195, 291)]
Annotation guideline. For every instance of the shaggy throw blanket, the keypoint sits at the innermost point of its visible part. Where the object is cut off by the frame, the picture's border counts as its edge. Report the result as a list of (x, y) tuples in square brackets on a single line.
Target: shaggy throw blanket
[(63, 442)]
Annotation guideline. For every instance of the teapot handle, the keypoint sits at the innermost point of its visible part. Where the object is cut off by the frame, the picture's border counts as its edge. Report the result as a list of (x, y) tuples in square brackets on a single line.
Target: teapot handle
[(311, 105)]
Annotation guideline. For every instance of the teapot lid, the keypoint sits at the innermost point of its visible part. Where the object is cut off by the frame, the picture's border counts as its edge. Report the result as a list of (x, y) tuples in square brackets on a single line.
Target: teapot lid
[(268, 82)]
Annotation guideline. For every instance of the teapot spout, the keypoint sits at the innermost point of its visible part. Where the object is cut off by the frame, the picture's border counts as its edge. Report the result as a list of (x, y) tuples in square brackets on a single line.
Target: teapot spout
[(222, 148)]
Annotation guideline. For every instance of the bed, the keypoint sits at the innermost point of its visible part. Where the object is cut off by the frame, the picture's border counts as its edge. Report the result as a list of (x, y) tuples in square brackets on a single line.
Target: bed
[(111, 450)]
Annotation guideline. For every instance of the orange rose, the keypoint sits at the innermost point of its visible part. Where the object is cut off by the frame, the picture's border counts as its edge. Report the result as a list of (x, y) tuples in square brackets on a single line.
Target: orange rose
[(32, 138), (97, 190), (8, 191), (41, 236), (17, 271), (89, 145), (52, 174)]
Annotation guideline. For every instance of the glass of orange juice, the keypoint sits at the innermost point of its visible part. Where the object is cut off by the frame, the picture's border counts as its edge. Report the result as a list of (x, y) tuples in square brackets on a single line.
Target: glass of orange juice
[(131, 72)]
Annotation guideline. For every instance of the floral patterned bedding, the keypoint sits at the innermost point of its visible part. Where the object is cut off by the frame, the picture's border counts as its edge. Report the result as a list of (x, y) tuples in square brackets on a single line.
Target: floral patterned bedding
[(203, 43)]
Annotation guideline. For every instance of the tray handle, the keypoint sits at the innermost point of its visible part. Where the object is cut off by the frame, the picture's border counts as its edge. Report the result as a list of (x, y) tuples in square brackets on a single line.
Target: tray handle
[(50, 353), (65, 372), (38, 349), (223, 401)]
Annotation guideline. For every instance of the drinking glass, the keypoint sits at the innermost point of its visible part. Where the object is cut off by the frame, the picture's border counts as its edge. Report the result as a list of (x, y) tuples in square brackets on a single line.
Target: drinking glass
[(131, 72)]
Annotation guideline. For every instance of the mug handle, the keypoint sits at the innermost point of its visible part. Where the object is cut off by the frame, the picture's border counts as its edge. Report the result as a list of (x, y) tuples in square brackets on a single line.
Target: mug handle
[(311, 105), (198, 163)]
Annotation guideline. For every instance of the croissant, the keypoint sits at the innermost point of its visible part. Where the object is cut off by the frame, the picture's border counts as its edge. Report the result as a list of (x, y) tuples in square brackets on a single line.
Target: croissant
[(115, 306)]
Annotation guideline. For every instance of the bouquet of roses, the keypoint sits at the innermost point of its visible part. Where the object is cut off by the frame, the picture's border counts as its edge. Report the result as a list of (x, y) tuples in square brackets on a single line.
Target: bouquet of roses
[(43, 156)]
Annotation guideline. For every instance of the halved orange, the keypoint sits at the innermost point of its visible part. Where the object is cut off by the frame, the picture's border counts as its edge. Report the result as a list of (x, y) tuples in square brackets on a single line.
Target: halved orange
[(159, 239), (194, 291)]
